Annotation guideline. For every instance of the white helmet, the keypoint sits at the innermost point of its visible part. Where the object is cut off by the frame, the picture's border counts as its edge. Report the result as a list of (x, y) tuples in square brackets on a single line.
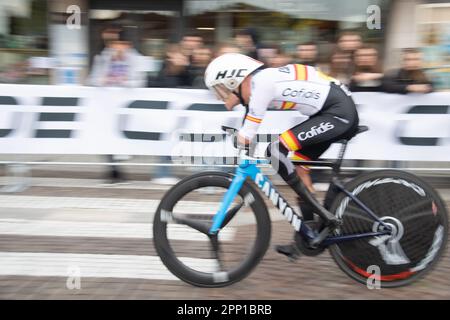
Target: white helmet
[(226, 72)]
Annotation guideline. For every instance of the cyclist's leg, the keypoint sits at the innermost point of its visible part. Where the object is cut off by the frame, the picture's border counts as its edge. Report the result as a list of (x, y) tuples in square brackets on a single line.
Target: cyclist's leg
[(342, 111), (309, 154), (313, 135), (338, 119), (308, 142)]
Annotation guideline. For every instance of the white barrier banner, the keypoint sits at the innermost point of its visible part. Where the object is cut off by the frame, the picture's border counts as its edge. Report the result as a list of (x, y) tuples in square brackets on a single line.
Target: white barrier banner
[(183, 122)]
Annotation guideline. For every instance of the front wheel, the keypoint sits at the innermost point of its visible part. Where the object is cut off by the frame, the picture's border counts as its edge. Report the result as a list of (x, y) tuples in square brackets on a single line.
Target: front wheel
[(418, 219), (190, 254)]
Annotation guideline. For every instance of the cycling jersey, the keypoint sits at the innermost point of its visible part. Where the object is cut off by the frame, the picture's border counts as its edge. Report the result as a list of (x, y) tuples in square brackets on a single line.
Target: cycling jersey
[(292, 87)]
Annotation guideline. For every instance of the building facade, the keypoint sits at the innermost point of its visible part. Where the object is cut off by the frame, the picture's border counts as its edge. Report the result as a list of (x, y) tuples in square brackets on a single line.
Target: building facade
[(70, 31)]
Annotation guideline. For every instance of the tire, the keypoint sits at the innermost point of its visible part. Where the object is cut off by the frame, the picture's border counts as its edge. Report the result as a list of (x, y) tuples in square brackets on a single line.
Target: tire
[(252, 254), (407, 202)]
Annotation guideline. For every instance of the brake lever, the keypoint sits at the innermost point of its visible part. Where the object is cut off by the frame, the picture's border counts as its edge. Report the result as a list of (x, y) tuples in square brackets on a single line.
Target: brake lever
[(229, 130), (232, 132)]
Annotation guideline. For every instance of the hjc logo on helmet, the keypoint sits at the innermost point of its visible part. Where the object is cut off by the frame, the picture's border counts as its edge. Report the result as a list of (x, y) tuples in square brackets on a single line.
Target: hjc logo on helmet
[(234, 73)]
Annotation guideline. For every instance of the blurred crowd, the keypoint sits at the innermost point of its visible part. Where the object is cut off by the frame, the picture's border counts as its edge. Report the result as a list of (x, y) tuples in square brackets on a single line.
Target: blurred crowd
[(349, 59), (352, 62)]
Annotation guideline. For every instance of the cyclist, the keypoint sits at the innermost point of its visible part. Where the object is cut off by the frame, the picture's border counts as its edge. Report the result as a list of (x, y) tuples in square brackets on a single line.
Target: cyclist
[(239, 79)]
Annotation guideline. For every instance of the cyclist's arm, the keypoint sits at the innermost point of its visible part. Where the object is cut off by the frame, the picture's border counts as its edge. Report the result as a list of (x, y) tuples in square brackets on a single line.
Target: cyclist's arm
[(260, 99)]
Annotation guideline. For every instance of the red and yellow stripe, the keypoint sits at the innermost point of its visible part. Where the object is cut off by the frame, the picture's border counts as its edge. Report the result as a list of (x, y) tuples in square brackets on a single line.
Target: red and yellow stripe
[(290, 141), (253, 119), (286, 105), (297, 156), (301, 72), (326, 77)]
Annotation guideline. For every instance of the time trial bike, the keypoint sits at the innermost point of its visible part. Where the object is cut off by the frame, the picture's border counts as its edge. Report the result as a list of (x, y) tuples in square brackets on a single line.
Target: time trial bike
[(213, 228)]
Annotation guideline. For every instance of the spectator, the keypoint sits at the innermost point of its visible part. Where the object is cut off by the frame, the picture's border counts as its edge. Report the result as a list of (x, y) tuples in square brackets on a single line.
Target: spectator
[(15, 73), (200, 60), (117, 65), (307, 53), (267, 53), (173, 73), (226, 47), (410, 77), (247, 41), (189, 43), (278, 58), (339, 66), (368, 75), (109, 35), (347, 44)]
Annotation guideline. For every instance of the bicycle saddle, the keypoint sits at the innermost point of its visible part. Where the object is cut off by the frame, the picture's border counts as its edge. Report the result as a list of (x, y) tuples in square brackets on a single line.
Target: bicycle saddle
[(359, 129)]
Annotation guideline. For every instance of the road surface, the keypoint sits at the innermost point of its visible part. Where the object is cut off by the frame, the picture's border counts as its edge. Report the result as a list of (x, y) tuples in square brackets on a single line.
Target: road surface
[(60, 228)]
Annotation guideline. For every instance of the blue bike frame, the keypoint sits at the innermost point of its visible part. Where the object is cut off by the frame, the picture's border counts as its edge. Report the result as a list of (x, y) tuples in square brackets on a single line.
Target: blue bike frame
[(248, 168)]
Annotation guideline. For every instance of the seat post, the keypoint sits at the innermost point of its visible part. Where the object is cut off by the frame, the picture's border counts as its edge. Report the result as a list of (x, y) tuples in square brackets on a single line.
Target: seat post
[(338, 163)]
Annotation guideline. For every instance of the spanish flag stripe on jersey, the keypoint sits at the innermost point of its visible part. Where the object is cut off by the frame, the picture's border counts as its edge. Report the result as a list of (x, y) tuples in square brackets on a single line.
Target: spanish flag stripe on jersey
[(287, 105), (301, 72), (290, 141), (299, 156), (253, 119)]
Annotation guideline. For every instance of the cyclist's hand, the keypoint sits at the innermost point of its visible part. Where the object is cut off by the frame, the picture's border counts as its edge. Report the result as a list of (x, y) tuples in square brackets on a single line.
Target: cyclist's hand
[(242, 141), (239, 141)]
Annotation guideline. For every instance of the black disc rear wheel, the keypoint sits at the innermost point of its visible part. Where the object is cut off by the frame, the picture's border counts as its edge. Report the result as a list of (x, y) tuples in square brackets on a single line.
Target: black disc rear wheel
[(414, 211)]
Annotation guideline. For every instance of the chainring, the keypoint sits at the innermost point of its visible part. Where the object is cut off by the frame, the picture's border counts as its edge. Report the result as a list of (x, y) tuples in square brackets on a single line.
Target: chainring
[(304, 247)]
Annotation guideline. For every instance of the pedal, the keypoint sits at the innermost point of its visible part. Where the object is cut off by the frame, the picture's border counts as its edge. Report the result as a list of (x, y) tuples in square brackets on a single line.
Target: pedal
[(290, 251), (322, 235)]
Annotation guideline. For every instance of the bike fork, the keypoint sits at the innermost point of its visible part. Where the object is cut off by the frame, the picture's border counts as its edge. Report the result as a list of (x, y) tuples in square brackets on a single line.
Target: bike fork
[(221, 215)]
